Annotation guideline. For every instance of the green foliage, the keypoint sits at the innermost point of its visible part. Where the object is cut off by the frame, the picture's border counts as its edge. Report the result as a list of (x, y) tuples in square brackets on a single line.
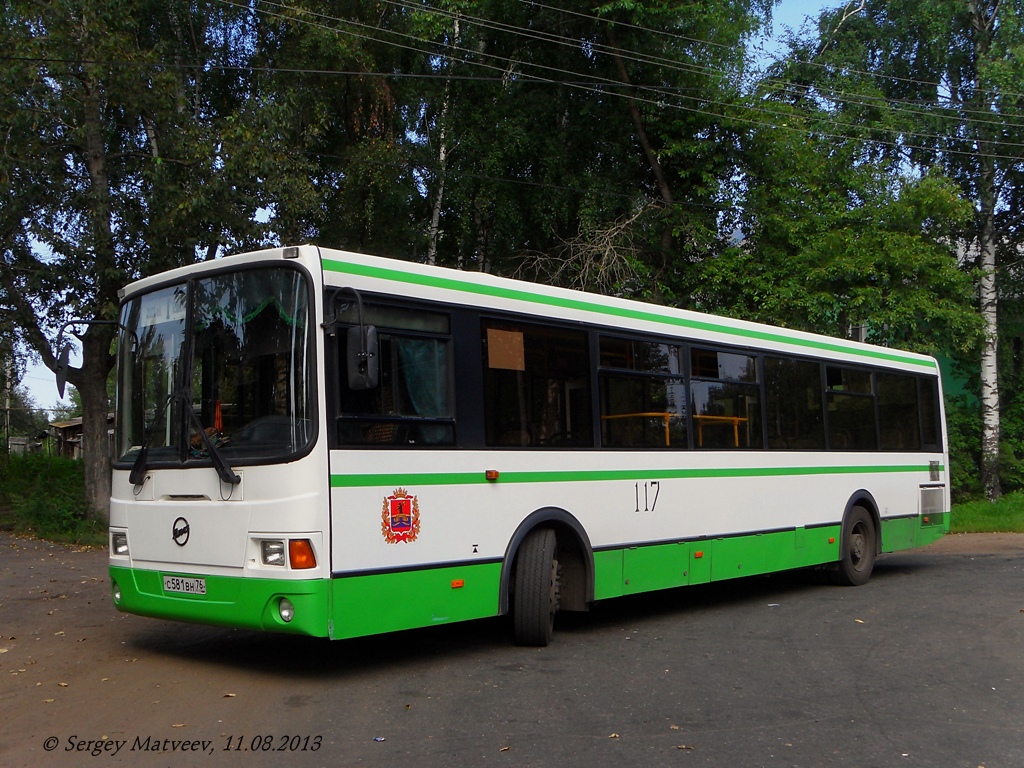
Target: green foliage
[(882, 262), (72, 411), (27, 418), (45, 497), (963, 425), (1011, 422)]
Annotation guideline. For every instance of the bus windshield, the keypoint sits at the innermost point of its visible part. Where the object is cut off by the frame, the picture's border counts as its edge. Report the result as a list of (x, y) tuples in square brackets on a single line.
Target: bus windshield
[(228, 354)]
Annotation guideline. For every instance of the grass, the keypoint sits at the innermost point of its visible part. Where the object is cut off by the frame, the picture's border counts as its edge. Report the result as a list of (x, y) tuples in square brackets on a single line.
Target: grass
[(43, 496), (1003, 516)]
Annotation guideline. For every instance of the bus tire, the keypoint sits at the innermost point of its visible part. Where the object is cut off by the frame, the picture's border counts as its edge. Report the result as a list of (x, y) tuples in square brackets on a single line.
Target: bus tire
[(859, 544), (536, 589)]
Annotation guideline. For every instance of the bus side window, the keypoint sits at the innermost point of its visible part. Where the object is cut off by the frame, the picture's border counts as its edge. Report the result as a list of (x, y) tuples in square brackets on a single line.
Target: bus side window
[(793, 399), (643, 398), (931, 438), (536, 385), (851, 410), (725, 400), (412, 402), (898, 411)]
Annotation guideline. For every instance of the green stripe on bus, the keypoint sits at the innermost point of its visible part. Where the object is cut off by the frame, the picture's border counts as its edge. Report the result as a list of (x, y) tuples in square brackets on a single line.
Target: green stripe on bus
[(388, 602), (515, 294), (597, 475)]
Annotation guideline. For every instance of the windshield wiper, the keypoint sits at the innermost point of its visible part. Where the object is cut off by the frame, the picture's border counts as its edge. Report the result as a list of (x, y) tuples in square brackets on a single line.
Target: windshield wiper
[(224, 470)]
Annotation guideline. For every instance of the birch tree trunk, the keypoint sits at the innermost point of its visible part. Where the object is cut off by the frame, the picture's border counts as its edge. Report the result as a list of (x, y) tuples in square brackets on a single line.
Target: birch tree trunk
[(989, 300), (983, 17), (442, 171)]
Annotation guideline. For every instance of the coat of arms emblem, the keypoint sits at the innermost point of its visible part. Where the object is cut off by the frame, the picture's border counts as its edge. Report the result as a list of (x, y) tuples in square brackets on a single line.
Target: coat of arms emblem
[(400, 517)]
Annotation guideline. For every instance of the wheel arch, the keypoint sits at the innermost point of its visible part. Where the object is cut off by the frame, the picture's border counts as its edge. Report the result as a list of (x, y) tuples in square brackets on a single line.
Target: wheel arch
[(575, 557), (862, 498)]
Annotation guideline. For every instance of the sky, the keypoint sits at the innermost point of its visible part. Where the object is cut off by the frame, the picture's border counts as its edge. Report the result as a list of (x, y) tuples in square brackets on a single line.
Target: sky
[(793, 14), (788, 14)]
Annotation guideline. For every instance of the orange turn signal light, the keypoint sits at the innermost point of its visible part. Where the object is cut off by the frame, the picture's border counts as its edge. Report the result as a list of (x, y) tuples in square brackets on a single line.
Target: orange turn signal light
[(698, 554), (458, 583), (492, 474), (300, 554)]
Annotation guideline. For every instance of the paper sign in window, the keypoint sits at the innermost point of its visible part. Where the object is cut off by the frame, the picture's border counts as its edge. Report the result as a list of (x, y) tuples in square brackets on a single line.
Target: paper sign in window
[(505, 350)]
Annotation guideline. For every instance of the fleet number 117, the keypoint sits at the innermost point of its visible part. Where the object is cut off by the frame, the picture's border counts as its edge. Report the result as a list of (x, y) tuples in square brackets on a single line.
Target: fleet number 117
[(649, 491)]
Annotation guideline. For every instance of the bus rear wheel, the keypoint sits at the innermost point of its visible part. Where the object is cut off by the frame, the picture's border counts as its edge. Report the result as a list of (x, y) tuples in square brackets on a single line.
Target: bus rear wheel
[(536, 589), (859, 545)]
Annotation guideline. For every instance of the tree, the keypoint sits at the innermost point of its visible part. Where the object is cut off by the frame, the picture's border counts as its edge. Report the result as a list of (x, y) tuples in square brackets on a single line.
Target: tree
[(939, 85), (837, 235), (549, 131), (130, 147)]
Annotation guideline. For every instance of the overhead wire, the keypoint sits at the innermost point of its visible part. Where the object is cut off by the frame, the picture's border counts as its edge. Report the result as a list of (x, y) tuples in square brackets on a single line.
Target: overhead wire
[(655, 96), (675, 64), (658, 96), (846, 96)]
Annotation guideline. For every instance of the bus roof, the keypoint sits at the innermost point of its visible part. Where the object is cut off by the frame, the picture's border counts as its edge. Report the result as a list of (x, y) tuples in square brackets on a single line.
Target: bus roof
[(451, 286), (376, 274)]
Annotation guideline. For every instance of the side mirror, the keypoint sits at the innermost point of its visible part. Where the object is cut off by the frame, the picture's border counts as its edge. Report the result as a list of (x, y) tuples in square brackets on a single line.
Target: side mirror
[(63, 361), (362, 353)]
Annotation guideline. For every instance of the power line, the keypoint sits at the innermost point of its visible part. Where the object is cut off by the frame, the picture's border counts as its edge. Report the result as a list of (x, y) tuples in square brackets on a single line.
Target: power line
[(810, 62), (643, 58), (657, 96), (660, 101)]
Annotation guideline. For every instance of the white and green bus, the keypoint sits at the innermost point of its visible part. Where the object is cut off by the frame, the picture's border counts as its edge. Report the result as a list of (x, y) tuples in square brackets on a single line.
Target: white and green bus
[(339, 445)]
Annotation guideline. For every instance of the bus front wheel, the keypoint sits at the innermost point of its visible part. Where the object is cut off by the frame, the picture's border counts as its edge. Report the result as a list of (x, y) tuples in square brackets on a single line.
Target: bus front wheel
[(536, 589), (859, 545)]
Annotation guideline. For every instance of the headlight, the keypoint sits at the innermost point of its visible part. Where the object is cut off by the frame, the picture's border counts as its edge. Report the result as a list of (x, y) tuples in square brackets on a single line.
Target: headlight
[(119, 544), (273, 552), (286, 609)]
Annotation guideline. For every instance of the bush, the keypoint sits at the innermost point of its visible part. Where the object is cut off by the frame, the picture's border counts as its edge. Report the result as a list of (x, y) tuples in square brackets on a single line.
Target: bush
[(45, 496), (963, 423)]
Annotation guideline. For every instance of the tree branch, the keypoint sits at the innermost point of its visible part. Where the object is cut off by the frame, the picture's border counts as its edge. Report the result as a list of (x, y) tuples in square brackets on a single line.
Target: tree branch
[(847, 13)]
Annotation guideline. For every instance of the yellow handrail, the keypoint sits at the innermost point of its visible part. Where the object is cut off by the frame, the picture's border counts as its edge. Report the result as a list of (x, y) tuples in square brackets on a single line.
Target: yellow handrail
[(663, 415)]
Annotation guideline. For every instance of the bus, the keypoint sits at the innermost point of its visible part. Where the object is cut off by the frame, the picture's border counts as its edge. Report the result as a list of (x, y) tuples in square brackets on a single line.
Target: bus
[(338, 445)]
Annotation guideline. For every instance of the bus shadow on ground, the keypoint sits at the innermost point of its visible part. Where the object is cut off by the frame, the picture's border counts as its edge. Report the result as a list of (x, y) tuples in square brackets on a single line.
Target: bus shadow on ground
[(305, 657)]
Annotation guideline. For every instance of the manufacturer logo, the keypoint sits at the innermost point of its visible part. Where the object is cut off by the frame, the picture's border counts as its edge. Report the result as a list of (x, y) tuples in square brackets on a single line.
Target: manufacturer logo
[(400, 517), (179, 531)]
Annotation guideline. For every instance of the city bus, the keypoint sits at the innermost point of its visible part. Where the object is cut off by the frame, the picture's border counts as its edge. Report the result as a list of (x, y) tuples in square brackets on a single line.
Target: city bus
[(338, 445)]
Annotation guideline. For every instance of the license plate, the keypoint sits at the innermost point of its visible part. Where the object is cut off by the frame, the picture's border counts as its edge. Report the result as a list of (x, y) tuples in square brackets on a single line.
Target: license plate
[(188, 586)]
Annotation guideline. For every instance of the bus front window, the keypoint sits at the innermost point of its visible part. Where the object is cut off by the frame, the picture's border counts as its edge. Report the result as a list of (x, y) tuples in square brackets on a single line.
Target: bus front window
[(148, 374), (241, 372)]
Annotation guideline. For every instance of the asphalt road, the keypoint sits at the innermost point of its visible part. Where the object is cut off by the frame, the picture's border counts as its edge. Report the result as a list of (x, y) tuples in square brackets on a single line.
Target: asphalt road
[(922, 666)]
